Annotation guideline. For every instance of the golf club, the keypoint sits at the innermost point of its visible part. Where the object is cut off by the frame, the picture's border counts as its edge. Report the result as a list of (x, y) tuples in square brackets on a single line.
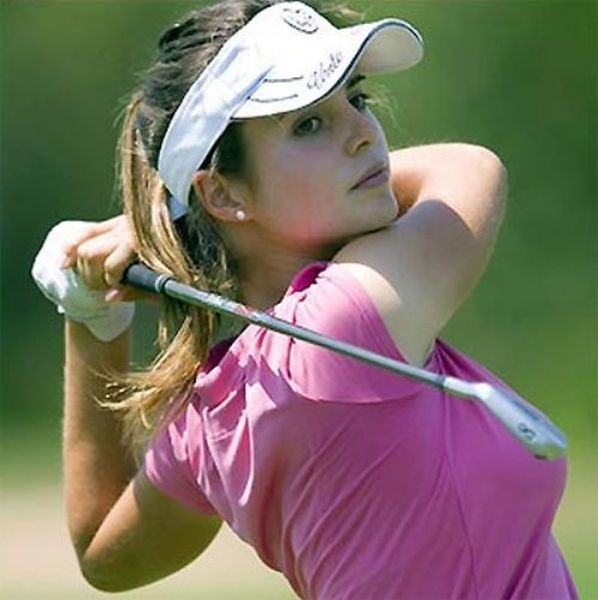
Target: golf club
[(535, 431)]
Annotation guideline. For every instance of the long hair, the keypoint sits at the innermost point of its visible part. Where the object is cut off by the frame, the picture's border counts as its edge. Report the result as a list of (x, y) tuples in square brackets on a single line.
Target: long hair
[(193, 251)]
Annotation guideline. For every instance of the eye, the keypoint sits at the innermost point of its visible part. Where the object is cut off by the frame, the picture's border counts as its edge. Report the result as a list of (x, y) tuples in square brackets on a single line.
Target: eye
[(360, 101), (308, 126)]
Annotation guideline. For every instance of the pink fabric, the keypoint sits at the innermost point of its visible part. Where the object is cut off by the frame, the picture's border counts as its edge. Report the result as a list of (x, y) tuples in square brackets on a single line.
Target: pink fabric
[(355, 482)]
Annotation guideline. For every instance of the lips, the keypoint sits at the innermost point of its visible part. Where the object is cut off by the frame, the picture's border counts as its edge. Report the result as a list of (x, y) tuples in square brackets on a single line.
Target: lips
[(375, 175)]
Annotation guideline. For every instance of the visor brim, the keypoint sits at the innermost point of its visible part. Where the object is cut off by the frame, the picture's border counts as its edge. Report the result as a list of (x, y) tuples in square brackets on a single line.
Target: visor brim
[(385, 46)]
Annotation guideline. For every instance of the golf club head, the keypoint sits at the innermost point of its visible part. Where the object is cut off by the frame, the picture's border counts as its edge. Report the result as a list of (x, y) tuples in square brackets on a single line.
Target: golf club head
[(527, 424)]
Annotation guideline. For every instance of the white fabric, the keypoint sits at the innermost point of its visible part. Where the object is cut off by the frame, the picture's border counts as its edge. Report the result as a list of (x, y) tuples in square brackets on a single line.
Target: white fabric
[(71, 296), (205, 112), (287, 57)]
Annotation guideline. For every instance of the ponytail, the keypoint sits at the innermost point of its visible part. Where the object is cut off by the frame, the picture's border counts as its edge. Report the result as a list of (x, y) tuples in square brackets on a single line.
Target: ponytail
[(192, 250), (185, 332)]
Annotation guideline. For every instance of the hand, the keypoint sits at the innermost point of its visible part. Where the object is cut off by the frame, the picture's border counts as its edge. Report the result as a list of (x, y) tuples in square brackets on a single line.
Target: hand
[(79, 267), (99, 252)]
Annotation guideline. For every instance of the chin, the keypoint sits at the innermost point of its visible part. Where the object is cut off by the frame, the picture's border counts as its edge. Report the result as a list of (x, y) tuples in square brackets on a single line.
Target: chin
[(384, 213)]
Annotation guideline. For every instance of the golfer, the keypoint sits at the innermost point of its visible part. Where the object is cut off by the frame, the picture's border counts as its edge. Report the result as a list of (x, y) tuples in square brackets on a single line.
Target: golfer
[(252, 166)]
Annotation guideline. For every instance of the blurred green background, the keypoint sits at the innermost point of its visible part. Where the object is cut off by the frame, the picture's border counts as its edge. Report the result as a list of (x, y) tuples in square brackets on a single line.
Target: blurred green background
[(516, 76)]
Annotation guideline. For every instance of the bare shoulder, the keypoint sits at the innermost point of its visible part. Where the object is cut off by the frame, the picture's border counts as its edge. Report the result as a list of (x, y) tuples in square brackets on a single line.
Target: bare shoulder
[(392, 306), (420, 269)]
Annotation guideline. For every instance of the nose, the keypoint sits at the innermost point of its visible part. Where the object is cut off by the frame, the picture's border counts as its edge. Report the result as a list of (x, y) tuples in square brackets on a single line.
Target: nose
[(361, 131)]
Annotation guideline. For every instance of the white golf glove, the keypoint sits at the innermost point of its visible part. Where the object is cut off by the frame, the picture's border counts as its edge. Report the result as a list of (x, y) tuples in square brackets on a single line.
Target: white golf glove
[(73, 298)]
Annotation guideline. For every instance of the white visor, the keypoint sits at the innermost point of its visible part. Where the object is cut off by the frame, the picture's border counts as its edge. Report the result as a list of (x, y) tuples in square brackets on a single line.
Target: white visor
[(287, 57)]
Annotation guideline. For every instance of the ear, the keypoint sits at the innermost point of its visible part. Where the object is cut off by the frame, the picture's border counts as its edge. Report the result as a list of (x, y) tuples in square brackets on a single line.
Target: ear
[(222, 198)]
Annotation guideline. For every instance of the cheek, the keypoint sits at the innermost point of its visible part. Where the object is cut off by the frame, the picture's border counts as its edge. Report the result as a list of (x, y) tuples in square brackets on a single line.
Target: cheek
[(298, 207), (312, 171), (296, 180)]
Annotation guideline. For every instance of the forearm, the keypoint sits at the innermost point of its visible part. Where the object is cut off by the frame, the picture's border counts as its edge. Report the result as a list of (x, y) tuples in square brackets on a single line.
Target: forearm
[(469, 179), (97, 465)]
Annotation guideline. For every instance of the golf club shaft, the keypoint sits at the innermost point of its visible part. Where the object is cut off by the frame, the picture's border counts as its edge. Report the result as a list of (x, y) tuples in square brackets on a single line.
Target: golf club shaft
[(530, 427)]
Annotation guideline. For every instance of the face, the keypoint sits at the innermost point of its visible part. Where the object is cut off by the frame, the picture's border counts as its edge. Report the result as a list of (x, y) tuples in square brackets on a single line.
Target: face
[(319, 176)]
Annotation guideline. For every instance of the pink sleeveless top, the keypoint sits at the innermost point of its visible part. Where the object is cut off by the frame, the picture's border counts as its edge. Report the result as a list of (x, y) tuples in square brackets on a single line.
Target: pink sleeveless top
[(353, 481)]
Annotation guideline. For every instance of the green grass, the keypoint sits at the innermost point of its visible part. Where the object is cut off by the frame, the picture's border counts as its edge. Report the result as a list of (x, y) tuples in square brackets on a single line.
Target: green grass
[(576, 526)]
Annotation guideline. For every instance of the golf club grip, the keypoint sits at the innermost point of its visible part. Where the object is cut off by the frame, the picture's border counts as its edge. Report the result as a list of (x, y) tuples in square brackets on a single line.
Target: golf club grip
[(140, 276)]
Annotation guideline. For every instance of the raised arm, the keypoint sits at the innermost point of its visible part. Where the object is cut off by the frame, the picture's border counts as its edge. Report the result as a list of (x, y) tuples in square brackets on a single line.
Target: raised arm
[(125, 532), (420, 269)]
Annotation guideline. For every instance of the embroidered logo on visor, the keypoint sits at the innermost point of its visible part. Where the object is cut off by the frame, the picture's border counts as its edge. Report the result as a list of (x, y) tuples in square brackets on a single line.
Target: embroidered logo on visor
[(300, 19), (325, 69)]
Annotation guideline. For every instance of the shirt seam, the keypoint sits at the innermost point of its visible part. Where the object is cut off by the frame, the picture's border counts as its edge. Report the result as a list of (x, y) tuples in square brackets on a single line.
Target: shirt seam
[(460, 503)]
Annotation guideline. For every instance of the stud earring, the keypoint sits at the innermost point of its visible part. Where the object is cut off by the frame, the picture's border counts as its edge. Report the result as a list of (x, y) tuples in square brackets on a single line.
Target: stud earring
[(240, 215)]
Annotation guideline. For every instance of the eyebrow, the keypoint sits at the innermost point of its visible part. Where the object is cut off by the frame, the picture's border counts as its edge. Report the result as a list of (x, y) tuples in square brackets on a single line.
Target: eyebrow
[(354, 81)]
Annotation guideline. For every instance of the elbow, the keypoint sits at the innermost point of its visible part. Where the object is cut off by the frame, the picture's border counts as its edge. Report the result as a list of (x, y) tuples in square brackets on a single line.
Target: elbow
[(493, 169), (101, 583), (105, 579), (490, 179), (483, 178), (499, 183), (95, 572), (479, 167)]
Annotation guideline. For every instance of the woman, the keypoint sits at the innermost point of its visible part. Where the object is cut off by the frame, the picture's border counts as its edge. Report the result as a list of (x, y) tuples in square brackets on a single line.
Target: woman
[(353, 482)]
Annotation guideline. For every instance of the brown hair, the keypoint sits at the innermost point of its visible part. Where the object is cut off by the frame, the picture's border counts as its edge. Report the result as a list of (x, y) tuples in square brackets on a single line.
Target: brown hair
[(192, 251)]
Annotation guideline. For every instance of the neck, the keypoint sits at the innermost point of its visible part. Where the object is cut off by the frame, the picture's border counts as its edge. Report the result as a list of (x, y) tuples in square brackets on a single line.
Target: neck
[(265, 281), (266, 267)]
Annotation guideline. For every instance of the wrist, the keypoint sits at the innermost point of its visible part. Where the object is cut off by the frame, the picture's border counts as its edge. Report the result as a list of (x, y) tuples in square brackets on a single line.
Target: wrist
[(112, 356), (105, 320), (82, 332), (71, 294)]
